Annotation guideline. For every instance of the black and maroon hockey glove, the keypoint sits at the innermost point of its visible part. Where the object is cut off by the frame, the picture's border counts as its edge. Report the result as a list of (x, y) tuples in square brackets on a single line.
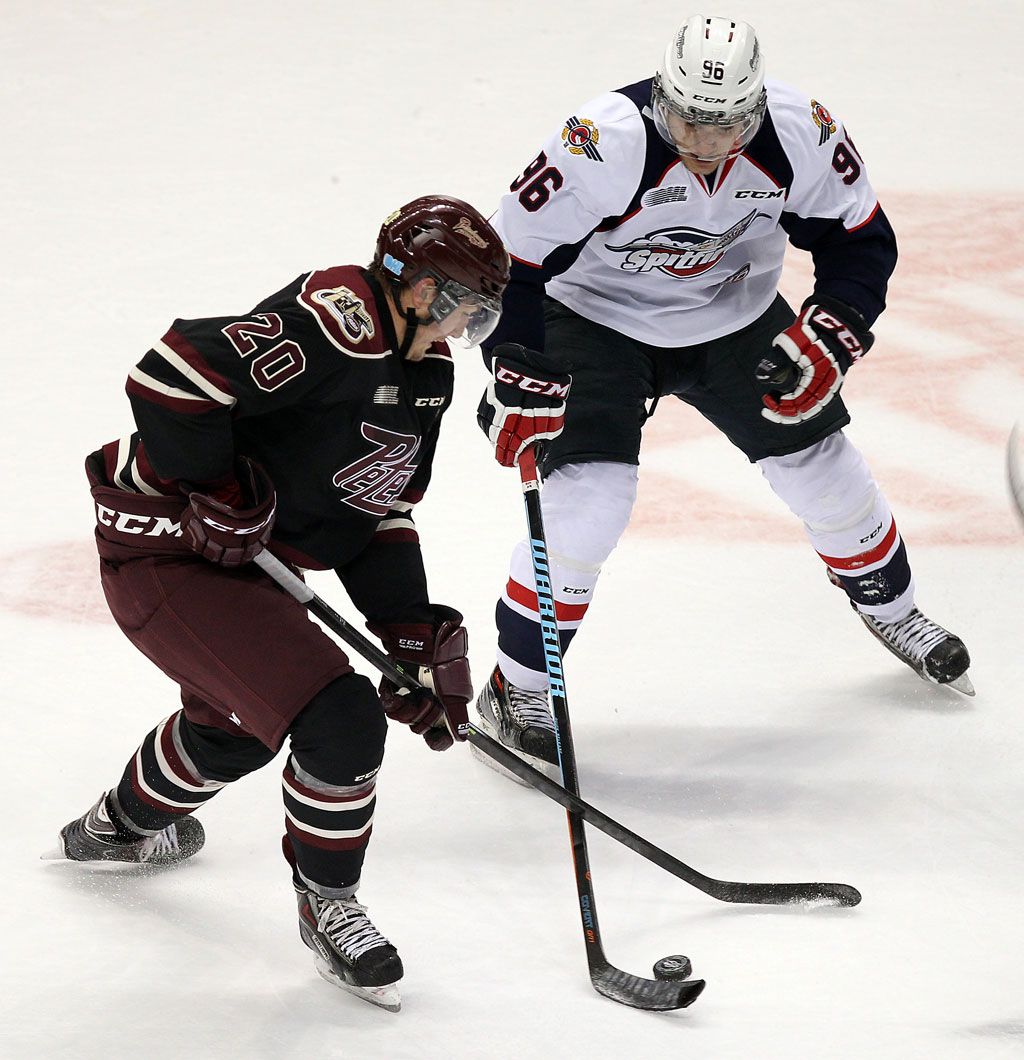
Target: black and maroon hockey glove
[(521, 404), (233, 525), (808, 360), (437, 657)]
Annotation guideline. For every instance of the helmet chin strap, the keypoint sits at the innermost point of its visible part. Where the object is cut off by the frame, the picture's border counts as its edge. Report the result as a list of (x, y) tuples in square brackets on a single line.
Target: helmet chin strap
[(412, 322)]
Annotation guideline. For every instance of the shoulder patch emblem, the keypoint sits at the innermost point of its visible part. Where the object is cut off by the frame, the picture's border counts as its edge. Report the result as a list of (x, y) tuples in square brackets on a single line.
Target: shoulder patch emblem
[(342, 315), (580, 136), (824, 121), (349, 310)]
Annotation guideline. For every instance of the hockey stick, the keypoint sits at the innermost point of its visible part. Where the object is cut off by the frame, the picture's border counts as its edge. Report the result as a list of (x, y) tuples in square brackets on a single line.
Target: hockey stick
[(612, 982), (840, 894), (723, 890), (632, 990)]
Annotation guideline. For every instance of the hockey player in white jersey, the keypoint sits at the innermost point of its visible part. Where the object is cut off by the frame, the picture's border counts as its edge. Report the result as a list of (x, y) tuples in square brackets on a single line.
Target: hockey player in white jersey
[(647, 238)]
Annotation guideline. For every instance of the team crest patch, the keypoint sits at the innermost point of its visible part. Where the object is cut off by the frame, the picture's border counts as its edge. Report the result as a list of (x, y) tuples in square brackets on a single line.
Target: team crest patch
[(349, 310), (824, 121), (580, 136)]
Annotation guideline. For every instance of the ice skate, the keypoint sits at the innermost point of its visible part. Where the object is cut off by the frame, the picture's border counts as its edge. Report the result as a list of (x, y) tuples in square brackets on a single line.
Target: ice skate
[(521, 719), (934, 653), (95, 837), (348, 950)]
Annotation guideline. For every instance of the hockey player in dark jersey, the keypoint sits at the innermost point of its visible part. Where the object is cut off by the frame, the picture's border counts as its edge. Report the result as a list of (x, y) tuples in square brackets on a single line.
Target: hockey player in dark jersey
[(647, 239), (306, 426)]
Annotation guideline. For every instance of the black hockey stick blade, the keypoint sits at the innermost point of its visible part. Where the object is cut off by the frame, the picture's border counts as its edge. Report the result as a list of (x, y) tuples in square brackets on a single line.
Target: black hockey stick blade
[(654, 995), (841, 894)]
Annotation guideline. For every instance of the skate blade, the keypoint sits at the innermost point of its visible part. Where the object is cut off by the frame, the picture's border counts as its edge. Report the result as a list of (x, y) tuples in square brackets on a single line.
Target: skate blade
[(496, 766), (385, 997), (962, 684), (552, 772), (58, 853)]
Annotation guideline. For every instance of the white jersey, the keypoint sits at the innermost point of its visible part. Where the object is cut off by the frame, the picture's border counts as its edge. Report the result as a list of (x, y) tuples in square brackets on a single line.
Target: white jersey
[(615, 227)]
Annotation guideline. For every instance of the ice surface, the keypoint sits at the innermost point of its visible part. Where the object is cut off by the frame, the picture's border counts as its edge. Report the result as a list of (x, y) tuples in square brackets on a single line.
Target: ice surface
[(166, 159)]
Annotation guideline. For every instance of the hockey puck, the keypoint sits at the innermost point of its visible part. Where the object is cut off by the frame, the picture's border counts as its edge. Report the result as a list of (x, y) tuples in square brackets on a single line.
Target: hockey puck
[(673, 969)]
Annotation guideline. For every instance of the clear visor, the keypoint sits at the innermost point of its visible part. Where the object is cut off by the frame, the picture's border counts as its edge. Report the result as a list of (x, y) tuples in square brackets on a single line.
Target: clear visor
[(467, 316), (704, 136)]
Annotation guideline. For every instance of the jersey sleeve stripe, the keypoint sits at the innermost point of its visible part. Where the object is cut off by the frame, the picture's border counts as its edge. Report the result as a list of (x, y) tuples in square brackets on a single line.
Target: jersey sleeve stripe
[(149, 481), (523, 261), (396, 522), (140, 482), (125, 455), (183, 357), (867, 220), (394, 537), (130, 470), (141, 384)]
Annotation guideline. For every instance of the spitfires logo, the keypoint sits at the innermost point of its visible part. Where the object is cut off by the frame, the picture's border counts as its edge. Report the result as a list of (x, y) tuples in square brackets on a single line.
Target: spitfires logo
[(580, 136), (681, 252), (349, 311), (824, 121)]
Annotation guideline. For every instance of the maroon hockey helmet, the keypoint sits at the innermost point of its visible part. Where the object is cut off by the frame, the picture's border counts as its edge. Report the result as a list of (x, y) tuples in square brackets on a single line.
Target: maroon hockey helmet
[(446, 239)]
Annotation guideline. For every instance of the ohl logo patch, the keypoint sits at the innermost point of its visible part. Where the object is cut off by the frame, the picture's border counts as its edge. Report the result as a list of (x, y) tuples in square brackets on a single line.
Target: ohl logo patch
[(825, 122), (681, 251), (580, 136)]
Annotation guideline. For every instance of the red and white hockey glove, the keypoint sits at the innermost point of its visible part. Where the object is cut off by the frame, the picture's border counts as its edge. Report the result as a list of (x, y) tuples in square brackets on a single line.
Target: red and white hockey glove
[(521, 404), (233, 526), (437, 658), (809, 360)]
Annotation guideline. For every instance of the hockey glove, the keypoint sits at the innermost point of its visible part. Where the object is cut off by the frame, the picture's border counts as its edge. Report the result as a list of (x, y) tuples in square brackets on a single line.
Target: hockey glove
[(521, 404), (809, 360), (436, 657), (232, 533)]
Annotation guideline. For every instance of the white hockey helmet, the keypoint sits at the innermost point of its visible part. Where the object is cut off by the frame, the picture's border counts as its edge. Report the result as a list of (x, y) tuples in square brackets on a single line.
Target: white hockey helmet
[(712, 75)]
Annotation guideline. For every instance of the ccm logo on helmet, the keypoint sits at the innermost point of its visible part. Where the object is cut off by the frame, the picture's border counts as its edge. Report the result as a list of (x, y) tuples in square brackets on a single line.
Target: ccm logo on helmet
[(532, 386)]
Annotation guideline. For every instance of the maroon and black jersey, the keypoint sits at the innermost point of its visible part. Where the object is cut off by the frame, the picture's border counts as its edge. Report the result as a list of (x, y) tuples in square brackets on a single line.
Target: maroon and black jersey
[(310, 385)]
